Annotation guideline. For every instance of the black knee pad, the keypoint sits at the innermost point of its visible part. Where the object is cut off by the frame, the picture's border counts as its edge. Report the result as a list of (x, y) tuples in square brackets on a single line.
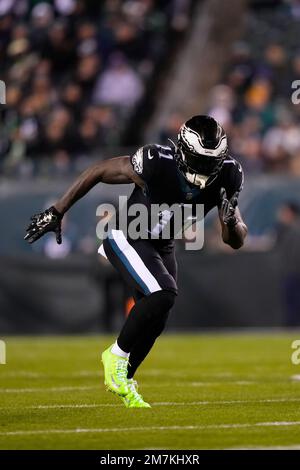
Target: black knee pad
[(166, 299), (161, 302)]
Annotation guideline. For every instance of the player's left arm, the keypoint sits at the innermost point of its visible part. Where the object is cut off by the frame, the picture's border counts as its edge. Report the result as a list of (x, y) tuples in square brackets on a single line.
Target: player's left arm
[(234, 229)]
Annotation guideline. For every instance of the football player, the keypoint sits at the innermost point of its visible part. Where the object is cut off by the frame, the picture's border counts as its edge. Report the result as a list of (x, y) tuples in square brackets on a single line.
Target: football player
[(196, 170)]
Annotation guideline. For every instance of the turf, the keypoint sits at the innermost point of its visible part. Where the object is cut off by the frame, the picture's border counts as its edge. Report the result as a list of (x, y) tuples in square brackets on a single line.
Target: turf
[(207, 392)]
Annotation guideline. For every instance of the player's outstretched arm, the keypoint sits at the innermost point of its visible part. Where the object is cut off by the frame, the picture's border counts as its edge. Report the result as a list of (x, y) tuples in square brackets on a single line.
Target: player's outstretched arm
[(234, 229), (113, 171)]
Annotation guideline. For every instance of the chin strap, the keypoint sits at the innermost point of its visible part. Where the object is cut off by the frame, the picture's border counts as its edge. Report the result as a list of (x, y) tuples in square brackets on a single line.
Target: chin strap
[(193, 178), (197, 180), (173, 143)]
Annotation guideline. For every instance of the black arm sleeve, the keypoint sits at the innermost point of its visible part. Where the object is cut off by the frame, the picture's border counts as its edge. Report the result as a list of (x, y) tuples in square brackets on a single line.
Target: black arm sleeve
[(235, 179)]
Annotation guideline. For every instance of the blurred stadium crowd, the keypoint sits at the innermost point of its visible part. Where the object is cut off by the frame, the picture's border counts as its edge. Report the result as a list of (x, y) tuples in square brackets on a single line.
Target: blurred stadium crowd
[(76, 71), (253, 99)]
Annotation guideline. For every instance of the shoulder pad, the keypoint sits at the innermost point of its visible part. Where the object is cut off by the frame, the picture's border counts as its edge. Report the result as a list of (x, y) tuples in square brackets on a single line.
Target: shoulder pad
[(145, 161)]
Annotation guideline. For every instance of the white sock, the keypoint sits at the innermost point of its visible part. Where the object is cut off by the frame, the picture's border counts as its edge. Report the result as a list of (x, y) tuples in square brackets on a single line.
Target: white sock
[(118, 351)]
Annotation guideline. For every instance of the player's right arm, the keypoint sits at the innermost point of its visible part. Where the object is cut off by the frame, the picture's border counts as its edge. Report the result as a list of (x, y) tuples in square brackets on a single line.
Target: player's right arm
[(117, 170)]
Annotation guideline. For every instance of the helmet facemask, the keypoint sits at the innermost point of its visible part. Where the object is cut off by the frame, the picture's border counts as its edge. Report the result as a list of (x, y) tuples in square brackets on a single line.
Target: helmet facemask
[(200, 170), (200, 159)]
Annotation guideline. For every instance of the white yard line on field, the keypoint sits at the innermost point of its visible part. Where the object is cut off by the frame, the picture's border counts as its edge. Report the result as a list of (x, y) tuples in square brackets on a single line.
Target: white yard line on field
[(44, 375), (83, 374), (295, 377), (167, 403), (147, 373), (147, 385), (150, 428), (226, 382), (91, 373), (47, 389), (288, 447)]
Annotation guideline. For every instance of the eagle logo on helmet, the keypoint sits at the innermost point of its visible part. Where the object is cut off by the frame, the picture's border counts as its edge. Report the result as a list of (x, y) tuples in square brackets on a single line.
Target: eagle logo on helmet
[(190, 138), (202, 148)]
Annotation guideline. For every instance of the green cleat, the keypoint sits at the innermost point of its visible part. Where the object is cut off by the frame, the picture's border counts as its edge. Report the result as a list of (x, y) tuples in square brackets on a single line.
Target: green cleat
[(134, 399), (115, 373)]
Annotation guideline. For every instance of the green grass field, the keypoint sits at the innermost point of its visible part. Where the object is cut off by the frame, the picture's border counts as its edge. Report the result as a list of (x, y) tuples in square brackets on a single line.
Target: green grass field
[(207, 392)]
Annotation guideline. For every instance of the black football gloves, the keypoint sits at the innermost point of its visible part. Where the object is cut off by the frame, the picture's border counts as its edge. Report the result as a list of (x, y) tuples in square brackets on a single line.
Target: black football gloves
[(227, 208), (47, 221)]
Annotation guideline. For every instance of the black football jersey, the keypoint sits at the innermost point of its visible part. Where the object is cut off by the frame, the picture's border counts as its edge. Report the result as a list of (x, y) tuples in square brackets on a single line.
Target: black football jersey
[(165, 184)]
